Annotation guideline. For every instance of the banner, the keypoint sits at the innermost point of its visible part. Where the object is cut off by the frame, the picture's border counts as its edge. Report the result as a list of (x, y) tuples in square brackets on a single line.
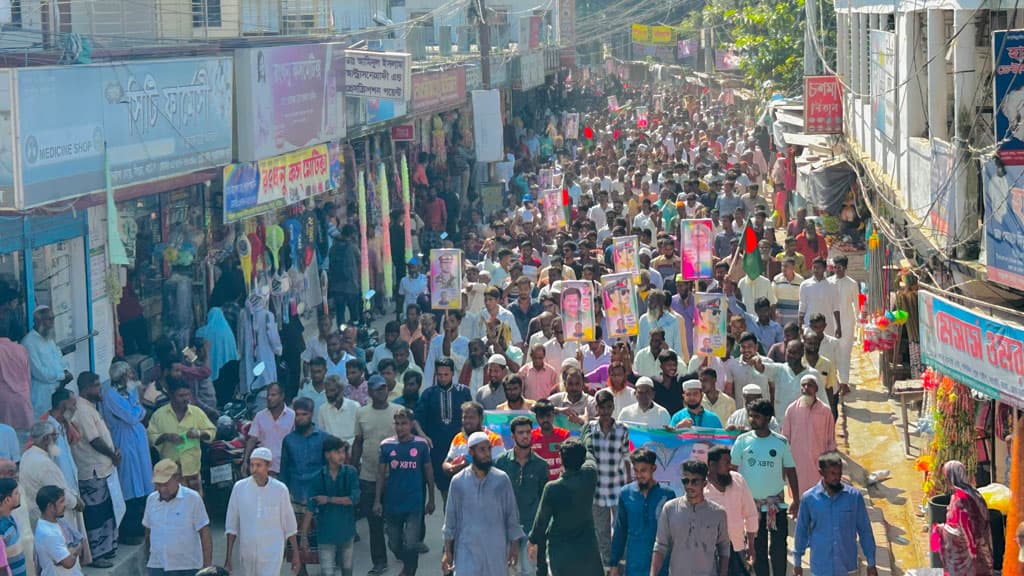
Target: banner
[(626, 254), (487, 129), (618, 292), (641, 33), (295, 176), (545, 177), (578, 310), (823, 108), (446, 279), (438, 90), (613, 103), (695, 243), (980, 351), (661, 35), (674, 448), (1004, 223), (1008, 56), (378, 74), (882, 68), (709, 324), (942, 185), (498, 421), (290, 96)]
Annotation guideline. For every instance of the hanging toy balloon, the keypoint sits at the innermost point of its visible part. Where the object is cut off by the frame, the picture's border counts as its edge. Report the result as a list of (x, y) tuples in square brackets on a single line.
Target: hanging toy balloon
[(244, 250), (889, 316), (873, 241)]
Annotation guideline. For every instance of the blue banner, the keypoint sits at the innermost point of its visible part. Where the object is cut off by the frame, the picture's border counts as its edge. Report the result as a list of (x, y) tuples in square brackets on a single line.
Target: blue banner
[(1008, 59), (158, 119), (672, 448), (1004, 223)]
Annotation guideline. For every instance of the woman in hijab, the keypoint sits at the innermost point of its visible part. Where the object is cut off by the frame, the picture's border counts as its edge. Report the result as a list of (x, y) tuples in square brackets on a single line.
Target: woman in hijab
[(965, 540), (220, 339)]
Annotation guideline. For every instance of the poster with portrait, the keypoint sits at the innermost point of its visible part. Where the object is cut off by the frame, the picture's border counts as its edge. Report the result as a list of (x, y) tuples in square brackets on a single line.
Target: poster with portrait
[(626, 254), (709, 324), (446, 279), (618, 292), (578, 310), (545, 178), (613, 103), (554, 214), (571, 126), (696, 240)]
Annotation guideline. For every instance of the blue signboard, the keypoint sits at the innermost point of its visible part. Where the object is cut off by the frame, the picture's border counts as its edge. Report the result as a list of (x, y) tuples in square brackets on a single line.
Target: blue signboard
[(1004, 223), (1008, 58), (158, 119)]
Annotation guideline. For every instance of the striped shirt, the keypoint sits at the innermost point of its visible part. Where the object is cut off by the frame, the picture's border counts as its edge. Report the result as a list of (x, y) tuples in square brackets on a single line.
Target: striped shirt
[(787, 296), (12, 543)]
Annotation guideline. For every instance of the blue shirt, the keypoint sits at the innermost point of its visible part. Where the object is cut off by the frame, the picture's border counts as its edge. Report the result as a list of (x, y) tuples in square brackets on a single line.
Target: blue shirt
[(636, 525), (302, 457), (705, 419), (406, 461), (12, 542), (830, 525), (767, 334)]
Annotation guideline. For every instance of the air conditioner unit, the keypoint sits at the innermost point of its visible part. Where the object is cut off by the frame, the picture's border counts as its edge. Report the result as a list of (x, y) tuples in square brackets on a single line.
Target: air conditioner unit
[(444, 42)]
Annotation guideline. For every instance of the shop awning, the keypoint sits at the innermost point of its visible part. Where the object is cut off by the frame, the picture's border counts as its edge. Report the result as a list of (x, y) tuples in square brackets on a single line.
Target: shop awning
[(825, 184)]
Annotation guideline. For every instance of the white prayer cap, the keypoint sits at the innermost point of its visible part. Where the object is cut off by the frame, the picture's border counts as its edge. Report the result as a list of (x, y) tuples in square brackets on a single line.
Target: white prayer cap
[(262, 453), (477, 438), (811, 378), (691, 385), (570, 362), (751, 389)]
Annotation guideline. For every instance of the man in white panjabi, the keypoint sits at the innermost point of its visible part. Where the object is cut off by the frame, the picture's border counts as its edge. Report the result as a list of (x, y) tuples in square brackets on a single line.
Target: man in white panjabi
[(261, 518)]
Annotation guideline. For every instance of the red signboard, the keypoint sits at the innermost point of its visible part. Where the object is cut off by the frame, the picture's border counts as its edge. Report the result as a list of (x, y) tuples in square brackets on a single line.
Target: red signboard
[(403, 133), (438, 90), (823, 105)]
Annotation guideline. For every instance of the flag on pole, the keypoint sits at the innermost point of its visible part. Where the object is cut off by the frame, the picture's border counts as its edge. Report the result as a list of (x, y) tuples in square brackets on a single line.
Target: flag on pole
[(751, 255)]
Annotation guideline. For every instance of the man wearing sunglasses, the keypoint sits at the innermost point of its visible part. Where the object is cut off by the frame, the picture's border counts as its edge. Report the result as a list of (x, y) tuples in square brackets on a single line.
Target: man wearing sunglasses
[(692, 530)]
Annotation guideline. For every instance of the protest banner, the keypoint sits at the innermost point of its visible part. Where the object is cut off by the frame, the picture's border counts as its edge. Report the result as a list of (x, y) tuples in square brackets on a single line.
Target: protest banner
[(578, 310), (709, 324), (618, 292), (446, 279)]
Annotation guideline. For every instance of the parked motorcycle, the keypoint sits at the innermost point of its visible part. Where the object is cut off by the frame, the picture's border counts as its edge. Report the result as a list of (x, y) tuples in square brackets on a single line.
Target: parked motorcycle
[(224, 456)]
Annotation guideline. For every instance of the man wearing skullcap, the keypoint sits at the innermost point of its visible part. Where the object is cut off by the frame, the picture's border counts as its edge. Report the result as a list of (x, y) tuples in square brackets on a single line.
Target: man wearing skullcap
[(260, 518)]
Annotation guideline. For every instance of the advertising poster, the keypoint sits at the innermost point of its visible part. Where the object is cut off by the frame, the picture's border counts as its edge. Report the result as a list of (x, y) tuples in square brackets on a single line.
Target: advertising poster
[(626, 254), (709, 324), (695, 242), (578, 310), (618, 291), (378, 74), (554, 215), (1004, 224), (1008, 57), (446, 279), (983, 352)]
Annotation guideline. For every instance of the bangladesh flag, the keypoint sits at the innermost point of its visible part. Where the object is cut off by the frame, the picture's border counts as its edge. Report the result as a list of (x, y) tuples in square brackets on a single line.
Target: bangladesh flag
[(752, 264)]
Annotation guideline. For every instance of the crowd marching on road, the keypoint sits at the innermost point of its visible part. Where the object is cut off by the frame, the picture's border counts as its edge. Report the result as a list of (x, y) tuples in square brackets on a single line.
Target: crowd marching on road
[(398, 432)]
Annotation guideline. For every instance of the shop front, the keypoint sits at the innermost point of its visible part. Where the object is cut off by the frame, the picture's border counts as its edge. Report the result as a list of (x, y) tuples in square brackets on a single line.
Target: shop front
[(974, 390), (127, 130)]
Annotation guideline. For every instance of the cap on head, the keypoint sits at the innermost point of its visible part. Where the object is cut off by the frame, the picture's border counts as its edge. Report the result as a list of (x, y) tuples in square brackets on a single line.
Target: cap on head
[(477, 438), (164, 471), (691, 385), (375, 382), (262, 453), (644, 381), (751, 390), (497, 359)]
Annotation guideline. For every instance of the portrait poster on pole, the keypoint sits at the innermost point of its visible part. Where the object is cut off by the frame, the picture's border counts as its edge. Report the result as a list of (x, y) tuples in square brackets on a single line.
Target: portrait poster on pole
[(446, 279), (618, 292), (578, 310), (709, 324), (695, 243)]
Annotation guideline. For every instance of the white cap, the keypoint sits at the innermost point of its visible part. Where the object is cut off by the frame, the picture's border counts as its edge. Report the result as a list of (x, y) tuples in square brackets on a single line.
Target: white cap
[(477, 438), (262, 453), (497, 359), (570, 362), (691, 385), (644, 381), (810, 378), (751, 389)]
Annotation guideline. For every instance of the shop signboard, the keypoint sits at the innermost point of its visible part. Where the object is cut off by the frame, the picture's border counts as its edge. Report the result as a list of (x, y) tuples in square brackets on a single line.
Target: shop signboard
[(661, 35), (403, 133), (378, 74), (1008, 56), (381, 110), (157, 118), (499, 72), (1004, 223), (252, 188), (567, 31), (531, 70), (640, 34), (7, 200), (291, 97), (980, 351), (438, 90), (823, 108)]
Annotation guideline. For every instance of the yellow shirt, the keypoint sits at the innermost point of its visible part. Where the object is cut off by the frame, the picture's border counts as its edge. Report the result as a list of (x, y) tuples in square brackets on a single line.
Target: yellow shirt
[(187, 454), (828, 372)]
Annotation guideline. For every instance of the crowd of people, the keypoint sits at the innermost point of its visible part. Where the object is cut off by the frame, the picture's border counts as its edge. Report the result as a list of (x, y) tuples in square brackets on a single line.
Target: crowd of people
[(378, 433)]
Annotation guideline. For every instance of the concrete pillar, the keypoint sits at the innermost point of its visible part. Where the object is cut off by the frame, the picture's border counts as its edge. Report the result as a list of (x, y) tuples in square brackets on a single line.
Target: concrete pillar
[(842, 43), (863, 48), (937, 115), (965, 86), (856, 49), (912, 77)]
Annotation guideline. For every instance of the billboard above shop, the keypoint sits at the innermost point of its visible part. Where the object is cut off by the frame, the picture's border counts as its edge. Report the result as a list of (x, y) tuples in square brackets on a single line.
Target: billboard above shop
[(439, 90), (378, 74), (156, 119), (291, 97)]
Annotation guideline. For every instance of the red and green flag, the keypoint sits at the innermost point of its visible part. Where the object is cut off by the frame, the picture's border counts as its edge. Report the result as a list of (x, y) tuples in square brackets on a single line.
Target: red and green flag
[(752, 264)]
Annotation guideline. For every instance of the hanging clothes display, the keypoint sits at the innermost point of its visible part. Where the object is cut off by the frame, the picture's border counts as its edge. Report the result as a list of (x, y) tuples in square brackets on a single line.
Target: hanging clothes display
[(260, 342)]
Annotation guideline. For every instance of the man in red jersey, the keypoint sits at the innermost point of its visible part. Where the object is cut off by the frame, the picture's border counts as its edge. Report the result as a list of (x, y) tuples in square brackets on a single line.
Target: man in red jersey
[(547, 438)]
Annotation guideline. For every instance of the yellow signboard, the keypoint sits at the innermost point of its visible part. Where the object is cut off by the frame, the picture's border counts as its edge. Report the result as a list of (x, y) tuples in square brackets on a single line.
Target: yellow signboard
[(641, 33), (661, 35)]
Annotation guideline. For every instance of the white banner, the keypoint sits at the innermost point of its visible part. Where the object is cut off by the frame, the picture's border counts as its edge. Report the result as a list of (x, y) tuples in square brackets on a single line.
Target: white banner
[(487, 127), (378, 74)]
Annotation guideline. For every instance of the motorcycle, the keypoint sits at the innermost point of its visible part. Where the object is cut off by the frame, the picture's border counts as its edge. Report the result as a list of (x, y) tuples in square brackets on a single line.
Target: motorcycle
[(227, 450)]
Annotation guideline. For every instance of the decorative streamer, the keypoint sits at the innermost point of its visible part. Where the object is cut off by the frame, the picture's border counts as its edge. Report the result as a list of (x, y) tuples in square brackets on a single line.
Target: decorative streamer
[(405, 209), (385, 224), (364, 252)]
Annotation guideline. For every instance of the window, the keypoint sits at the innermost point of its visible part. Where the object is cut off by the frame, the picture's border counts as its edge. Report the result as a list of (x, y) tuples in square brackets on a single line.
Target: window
[(206, 14)]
